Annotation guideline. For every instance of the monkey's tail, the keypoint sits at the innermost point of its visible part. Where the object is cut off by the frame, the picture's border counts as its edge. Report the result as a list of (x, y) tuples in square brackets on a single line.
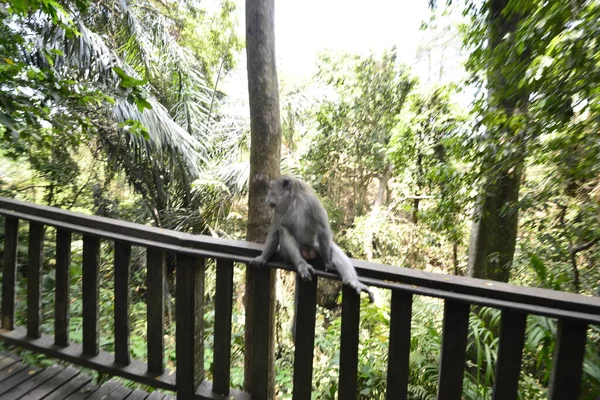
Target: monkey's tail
[(348, 273)]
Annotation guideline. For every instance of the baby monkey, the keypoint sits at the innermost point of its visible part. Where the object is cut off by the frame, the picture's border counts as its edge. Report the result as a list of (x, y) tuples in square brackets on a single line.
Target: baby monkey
[(300, 230)]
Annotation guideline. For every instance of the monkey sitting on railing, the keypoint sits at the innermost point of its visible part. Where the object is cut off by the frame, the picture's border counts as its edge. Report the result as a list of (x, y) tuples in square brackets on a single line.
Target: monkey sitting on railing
[(300, 230)]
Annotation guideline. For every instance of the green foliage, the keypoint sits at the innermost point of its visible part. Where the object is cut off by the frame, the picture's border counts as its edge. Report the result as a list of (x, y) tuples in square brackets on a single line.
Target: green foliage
[(354, 125), (430, 151), (111, 108)]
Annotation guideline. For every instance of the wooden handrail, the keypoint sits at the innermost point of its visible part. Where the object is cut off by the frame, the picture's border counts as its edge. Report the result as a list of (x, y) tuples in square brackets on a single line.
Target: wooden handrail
[(575, 312), (241, 251)]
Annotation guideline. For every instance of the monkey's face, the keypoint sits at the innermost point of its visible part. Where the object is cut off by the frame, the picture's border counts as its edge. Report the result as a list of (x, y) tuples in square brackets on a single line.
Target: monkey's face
[(278, 189), (274, 194)]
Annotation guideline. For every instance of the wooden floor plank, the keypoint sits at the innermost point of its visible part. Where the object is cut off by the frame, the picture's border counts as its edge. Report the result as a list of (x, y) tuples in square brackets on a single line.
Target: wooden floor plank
[(7, 362), (33, 383), (80, 384), (137, 394), (119, 394), (23, 382), (53, 386), (13, 369), (100, 394), (156, 396), (17, 379), (84, 392)]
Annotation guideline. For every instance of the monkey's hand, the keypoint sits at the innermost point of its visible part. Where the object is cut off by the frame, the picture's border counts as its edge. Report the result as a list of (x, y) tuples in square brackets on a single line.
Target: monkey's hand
[(258, 262), (306, 271)]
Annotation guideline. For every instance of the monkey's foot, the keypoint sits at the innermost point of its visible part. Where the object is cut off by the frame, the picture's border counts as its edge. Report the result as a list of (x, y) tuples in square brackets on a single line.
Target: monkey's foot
[(259, 261), (305, 271)]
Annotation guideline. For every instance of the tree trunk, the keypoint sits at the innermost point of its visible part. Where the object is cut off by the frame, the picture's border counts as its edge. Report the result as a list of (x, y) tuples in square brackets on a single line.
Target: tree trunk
[(494, 230), (455, 258), (380, 199), (265, 155)]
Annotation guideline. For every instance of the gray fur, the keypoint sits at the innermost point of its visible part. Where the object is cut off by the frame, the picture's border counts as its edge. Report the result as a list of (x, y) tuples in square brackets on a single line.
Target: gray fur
[(300, 225)]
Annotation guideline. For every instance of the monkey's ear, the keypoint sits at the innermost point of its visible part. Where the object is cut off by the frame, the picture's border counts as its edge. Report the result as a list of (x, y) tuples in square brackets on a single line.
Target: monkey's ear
[(287, 183)]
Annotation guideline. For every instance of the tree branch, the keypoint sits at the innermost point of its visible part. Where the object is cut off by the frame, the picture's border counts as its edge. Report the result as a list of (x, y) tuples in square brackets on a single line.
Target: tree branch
[(585, 246)]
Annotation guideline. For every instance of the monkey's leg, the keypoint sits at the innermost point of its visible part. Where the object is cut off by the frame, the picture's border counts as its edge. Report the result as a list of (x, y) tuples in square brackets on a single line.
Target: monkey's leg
[(270, 247), (290, 250), (347, 272), (326, 250)]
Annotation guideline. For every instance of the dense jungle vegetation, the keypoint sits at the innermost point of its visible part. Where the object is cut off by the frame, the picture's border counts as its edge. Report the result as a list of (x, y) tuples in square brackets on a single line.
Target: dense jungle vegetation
[(116, 108)]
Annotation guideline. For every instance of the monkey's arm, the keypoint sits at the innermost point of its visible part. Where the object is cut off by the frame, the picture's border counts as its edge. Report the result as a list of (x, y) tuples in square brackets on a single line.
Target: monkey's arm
[(270, 247)]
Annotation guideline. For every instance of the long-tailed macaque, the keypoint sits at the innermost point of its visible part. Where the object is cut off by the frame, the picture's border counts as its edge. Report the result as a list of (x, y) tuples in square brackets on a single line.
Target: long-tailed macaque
[(300, 230)]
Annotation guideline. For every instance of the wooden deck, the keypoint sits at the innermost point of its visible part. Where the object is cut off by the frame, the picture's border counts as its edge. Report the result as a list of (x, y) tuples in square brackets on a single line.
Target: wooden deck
[(20, 381), (574, 313)]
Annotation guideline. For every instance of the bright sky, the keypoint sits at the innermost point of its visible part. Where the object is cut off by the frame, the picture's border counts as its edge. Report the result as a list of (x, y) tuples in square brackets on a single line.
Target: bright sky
[(303, 28)]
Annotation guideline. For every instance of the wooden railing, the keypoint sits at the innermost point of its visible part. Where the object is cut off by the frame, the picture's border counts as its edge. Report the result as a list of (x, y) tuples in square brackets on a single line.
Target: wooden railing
[(574, 313)]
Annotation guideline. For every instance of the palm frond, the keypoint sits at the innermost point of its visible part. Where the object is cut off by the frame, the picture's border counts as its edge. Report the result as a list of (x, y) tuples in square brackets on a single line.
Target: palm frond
[(150, 41), (165, 136), (90, 57)]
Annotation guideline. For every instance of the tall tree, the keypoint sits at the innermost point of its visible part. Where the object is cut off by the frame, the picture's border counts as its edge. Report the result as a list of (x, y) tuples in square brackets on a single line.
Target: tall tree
[(119, 76), (265, 154), (494, 231), (354, 126)]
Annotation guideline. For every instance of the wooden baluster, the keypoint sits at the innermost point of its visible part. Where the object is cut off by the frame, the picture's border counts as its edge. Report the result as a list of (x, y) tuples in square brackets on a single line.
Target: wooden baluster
[(9, 274), (34, 272), (306, 293), (222, 336), (122, 308), (349, 343), (91, 294), (399, 348), (510, 351), (454, 345), (155, 264), (263, 306), (62, 298), (565, 382), (190, 324)]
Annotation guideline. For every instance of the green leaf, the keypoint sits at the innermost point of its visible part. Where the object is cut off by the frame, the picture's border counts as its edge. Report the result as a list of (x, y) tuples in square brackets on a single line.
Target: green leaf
[(538, 266), (142, 104)]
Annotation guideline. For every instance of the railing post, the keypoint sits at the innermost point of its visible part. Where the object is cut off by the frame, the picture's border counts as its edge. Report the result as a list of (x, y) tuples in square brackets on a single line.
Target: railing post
[(9, 274), (399, 348), (62, 298), (510, 352), (567, 366), (306, 304), (454, 345), (91, 294), (121, 276), (190, 324), (262, 314), (349, 343), (222, 339), (34, 272), (155, 267)]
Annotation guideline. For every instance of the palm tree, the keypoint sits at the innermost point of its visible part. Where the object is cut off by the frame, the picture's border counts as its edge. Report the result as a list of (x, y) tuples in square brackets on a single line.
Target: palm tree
[(149, 108)]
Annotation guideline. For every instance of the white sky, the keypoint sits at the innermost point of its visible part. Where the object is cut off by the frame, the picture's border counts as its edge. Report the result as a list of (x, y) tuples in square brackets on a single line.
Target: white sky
[(304, 28)]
